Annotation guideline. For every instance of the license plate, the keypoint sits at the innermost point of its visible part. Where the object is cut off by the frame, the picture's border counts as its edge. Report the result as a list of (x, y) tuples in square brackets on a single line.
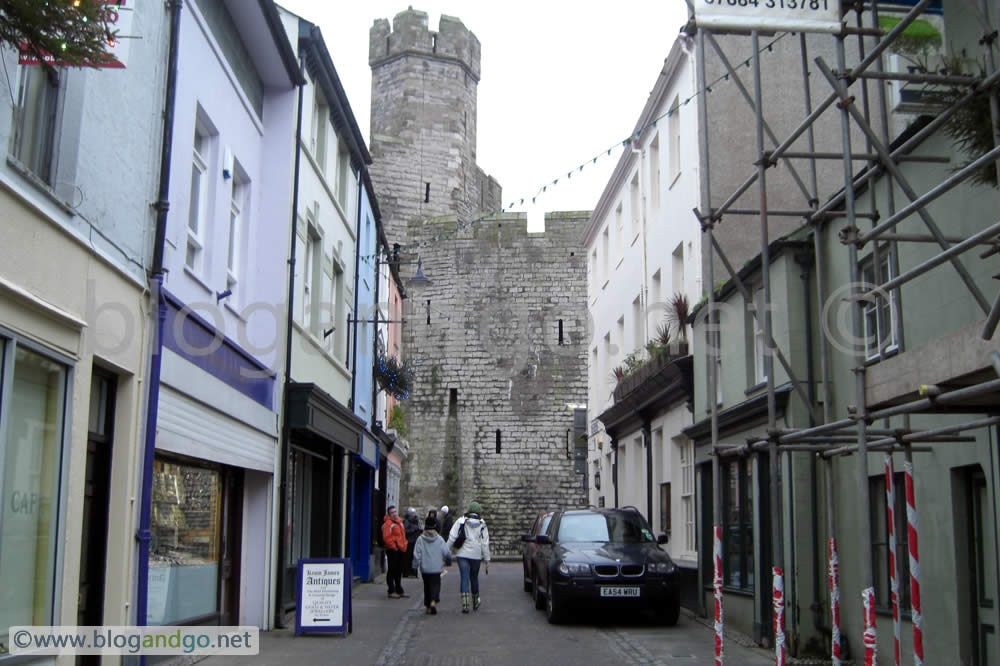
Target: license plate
[(619, 591)]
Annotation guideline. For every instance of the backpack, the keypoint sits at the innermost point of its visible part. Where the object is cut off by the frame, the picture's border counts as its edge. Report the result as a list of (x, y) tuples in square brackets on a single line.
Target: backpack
[(460, 539)]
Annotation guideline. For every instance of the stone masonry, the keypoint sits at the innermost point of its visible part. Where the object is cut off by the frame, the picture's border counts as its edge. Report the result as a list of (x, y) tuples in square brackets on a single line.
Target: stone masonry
[(488, 416)]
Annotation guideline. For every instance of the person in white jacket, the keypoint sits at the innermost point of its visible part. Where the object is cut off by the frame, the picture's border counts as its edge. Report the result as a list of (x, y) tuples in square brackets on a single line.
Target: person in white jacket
[(470, 540)]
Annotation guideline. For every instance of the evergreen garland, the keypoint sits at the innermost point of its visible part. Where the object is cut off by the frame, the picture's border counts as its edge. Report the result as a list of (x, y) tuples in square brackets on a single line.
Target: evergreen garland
[(58, 33)]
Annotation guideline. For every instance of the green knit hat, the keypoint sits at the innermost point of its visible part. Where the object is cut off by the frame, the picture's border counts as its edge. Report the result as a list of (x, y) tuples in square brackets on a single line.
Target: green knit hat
[(474, 507)]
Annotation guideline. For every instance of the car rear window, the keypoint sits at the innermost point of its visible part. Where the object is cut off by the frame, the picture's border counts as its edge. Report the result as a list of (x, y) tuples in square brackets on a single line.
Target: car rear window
[(615, 528)]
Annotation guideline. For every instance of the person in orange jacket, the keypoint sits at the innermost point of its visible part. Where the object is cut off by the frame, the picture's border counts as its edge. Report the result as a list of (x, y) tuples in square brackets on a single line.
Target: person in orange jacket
[(394, 537)]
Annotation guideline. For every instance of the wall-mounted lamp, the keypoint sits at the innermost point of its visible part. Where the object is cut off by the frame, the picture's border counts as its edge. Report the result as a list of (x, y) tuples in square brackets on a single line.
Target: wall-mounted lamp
[(419, 277), (597, 480), (219, 295)]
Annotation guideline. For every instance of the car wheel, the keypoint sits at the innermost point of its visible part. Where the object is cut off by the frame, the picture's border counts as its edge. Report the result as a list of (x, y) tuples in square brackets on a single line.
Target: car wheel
[(537, 594), (528, 584), (669, 612), (554, 612)]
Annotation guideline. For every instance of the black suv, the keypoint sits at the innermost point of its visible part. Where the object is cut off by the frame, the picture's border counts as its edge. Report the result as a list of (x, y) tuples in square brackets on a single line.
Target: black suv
[(602, 559)]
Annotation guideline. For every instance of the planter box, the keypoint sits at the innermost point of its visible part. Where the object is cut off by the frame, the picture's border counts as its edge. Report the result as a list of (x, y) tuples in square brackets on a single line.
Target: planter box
[(634, 380)]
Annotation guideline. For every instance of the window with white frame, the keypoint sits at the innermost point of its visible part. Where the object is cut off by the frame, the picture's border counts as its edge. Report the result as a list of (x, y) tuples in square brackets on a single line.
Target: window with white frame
[(607, 378), (686, 449), (656, 308), (880, 313), (200, 194), (713, 340), (344, 179), (635, 202), (605, 250), (593, 269), (677, 269), (674, 128), (320, 125), (638, 325), (238, 205), (620, 337), (311, 272), (36, 119), (757, 341), (654, 174), (619, 234)]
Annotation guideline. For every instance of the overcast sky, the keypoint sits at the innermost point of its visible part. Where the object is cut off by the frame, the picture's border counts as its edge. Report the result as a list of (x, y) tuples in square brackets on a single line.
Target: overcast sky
[(561, 81)]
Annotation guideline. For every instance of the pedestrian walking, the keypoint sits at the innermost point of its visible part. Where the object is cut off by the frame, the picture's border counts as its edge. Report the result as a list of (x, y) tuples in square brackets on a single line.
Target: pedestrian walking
[(430, 556), (394, 537), (470, 540), (446, 520), (411, 523)]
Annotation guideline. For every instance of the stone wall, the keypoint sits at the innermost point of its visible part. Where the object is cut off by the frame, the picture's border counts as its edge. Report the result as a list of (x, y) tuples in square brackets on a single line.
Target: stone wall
[(423, 121), (490, 360)]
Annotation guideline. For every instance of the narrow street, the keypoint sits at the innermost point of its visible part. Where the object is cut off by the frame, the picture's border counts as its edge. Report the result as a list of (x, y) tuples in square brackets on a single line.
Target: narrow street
[(506, 630)]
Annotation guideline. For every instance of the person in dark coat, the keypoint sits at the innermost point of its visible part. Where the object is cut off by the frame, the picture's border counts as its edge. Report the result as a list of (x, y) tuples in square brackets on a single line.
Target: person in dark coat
[(411, 523), (446, 520)]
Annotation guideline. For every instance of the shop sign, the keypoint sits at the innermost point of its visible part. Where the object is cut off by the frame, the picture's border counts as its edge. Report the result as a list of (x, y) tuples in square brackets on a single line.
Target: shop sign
[(324, 596), (769, 15)]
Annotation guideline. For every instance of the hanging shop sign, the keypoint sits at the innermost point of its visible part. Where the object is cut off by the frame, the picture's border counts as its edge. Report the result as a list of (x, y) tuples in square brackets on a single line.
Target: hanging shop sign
[(324, 597), (770, 15)]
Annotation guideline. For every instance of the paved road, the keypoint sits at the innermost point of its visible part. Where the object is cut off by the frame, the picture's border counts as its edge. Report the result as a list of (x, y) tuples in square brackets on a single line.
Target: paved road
[(505, 631)]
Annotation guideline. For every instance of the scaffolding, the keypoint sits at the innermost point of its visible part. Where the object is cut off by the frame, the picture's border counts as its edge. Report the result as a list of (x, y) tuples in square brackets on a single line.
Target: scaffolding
[(852, 433)]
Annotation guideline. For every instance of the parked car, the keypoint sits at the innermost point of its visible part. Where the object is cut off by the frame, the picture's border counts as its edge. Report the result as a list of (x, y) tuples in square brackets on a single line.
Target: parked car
[(539, 526), (602, 559)]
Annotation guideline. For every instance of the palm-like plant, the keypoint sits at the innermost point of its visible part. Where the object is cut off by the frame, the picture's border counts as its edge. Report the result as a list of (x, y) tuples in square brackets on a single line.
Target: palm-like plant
[(678, 310)]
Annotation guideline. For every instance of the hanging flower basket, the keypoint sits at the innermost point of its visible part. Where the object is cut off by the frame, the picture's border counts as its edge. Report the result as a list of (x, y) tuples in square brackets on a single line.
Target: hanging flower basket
[(393, 376)]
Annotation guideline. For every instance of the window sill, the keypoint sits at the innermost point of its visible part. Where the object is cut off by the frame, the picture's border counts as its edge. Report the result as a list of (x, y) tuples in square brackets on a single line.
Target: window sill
[(605, 285), (889, 353), (621, 260), (40, 185), (636, 238), (197, 279), (236, 313), (673, 180), (756, 387)]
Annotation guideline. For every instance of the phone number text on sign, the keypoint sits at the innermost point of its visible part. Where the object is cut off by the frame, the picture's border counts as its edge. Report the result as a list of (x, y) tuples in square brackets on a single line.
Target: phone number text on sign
[(797, 15)]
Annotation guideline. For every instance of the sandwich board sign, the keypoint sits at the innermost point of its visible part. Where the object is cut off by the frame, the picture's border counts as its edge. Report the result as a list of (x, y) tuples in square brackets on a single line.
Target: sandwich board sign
[(769, 15), (323, 602)]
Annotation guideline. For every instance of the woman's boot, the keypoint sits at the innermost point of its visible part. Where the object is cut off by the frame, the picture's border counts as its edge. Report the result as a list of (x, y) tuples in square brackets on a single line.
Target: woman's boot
[(465, 602), (476, 600)]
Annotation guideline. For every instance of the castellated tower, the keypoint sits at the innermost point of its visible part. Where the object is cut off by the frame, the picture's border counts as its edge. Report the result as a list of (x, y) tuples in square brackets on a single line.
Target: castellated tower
[(423, 122), (498, 336)]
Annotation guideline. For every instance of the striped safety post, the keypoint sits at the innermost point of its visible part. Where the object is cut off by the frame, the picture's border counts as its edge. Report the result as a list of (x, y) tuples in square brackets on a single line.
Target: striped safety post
[(834, 604), (717, 587), (890, 503), (911, 537), (870, 638), (779, 616)]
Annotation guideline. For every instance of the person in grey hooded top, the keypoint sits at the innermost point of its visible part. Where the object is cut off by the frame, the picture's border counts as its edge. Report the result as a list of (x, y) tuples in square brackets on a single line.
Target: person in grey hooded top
[(430, 555)]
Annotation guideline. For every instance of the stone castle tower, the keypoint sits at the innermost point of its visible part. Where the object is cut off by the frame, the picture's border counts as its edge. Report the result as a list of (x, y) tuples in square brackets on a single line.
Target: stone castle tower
[(498, 335)]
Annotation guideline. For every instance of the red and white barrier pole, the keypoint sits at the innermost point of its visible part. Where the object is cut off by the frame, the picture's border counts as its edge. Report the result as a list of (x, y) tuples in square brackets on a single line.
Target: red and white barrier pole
[(779, 616), (890, 503), (717, 587), (911, 536), (834, 604), (870, 638)]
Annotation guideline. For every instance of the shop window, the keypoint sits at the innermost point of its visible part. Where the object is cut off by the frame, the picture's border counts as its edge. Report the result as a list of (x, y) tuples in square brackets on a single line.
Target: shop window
[(737, 525), (186, 525), (33, 412)]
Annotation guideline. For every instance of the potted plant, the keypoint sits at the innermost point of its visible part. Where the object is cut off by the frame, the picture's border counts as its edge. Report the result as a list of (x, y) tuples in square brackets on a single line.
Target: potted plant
[(393, 376)]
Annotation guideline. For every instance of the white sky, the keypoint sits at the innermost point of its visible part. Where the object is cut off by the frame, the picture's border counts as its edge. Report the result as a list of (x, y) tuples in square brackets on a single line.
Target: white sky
[(561, 81)]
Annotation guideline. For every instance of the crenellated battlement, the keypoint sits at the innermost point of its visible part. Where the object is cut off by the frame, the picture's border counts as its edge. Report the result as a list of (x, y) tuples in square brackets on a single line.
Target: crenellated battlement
[(410, 34)]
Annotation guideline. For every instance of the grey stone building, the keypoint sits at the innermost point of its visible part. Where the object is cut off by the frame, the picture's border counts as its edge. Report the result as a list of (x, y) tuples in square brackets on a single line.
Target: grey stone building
[(498, 334)]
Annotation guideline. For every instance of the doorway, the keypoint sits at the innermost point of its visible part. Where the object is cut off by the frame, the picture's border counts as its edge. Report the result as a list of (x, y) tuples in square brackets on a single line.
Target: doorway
[(96, 495), (976, 562)]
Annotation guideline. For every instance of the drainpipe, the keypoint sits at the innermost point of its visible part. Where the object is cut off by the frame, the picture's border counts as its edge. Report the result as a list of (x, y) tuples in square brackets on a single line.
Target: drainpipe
[(289, 319), (375, 337), (162, 205), (647, 436), (614, 468), (357, 274)]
